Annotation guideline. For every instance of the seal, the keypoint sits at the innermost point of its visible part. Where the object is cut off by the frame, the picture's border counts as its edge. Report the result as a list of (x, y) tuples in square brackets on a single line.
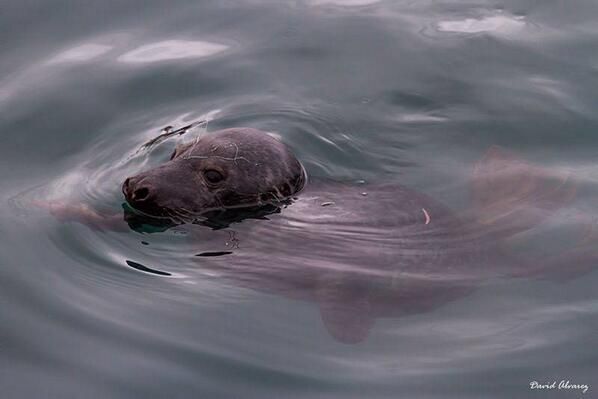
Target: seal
[(359, 251), (229, 169)]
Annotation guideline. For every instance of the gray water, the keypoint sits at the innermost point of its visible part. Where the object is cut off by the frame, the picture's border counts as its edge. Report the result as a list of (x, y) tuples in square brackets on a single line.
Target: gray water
[(404, 92)]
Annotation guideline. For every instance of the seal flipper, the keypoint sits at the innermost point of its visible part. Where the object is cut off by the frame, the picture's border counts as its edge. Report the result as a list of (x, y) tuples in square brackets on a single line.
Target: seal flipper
[(511, 196), (345, 310)]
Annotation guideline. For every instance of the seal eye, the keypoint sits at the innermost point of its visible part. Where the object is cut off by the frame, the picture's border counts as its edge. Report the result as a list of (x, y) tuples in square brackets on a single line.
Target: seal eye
[(213, 176)]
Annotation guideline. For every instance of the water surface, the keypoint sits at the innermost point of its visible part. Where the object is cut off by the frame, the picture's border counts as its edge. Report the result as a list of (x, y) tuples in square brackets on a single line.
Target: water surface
[(380, 91)]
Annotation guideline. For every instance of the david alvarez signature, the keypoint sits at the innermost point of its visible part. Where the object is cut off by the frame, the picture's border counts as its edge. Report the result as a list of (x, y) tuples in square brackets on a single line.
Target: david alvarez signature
[(562, 384)]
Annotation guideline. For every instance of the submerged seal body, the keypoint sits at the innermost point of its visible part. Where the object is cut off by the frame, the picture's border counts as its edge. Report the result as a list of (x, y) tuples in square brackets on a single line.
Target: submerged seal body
[(228, 169), (360, 252), (360, 255)]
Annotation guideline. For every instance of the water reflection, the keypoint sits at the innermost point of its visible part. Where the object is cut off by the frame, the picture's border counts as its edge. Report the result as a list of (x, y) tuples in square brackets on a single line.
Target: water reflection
[(84, 52), (499, 24), (346, 3), (168, 50)]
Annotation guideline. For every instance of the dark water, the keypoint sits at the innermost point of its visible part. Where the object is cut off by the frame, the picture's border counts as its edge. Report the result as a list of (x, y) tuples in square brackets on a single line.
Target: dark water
[(410, 92)]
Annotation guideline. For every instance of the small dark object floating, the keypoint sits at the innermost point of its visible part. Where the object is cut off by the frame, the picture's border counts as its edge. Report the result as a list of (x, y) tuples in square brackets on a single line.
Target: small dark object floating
[(139, 266), (216, 253), (168, 132)]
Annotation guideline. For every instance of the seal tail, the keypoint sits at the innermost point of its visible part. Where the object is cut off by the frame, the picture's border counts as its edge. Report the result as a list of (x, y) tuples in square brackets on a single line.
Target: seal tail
[(510, 195)]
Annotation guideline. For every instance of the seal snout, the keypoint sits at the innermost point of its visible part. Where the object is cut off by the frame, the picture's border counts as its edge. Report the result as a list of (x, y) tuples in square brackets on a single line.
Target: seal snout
[(137, 191)]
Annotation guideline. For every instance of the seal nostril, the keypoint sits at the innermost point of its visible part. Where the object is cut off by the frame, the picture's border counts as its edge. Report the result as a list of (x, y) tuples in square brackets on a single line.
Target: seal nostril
[(141, 194), (126, 184)]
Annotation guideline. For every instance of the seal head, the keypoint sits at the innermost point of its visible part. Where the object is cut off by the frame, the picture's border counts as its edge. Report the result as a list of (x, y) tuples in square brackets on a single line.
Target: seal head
[(229, 169)]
